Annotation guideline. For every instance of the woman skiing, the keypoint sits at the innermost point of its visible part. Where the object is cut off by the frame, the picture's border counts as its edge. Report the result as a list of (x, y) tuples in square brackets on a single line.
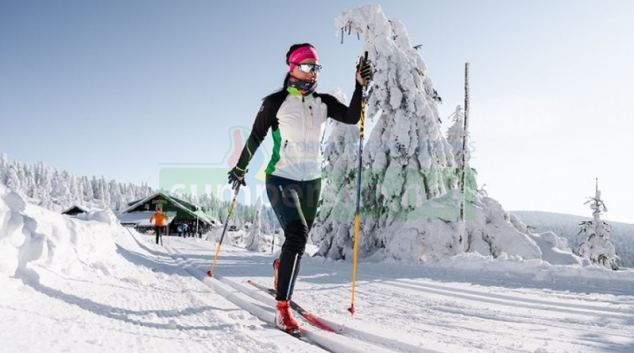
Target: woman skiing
[(296, 115)]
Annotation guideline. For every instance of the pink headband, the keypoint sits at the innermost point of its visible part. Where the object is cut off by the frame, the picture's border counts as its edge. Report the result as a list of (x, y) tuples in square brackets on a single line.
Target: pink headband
[(300, 54)]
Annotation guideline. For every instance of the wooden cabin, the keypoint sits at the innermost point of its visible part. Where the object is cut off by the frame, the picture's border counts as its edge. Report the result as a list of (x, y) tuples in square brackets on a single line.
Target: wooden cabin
[(178, 212), (75, 210)]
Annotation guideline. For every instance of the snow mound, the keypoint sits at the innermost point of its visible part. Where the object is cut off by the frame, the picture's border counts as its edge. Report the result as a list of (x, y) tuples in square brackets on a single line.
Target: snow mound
[(104, 216), (32, 237), (536, 269)]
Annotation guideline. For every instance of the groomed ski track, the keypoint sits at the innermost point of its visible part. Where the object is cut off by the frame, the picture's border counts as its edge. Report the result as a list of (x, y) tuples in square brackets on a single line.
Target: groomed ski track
[(424, 311), (261, 306)]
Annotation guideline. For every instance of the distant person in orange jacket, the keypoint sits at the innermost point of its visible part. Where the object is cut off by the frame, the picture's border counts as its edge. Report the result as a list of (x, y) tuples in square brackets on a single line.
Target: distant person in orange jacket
[(160, 220)]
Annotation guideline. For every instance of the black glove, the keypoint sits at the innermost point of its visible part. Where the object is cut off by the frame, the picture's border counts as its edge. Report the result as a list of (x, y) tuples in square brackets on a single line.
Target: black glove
[(236, 178), (364, 71)]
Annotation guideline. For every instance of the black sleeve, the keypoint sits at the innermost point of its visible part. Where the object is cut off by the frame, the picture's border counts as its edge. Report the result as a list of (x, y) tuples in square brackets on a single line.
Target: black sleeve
[(338, 111), (265, 119)]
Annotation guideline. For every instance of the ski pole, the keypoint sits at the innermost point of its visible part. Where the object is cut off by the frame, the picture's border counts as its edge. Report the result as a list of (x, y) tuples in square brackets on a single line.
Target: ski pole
[(224, 230), (357, 219)]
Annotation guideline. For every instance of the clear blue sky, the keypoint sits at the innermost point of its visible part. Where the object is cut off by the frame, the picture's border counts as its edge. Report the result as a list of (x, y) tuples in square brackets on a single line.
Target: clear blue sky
[(114, 88)]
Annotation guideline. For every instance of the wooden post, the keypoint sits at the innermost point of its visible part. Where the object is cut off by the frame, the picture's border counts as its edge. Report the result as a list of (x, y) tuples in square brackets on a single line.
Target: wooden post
[(464, 156)]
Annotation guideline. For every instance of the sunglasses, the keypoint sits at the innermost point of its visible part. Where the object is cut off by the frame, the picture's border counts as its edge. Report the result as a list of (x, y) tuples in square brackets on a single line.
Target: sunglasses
[(308, 67)]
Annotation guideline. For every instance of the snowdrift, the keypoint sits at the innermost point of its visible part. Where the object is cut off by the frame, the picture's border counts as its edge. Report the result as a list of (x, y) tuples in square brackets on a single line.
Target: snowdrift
[(567, 226), (31, 237), (494, 233)]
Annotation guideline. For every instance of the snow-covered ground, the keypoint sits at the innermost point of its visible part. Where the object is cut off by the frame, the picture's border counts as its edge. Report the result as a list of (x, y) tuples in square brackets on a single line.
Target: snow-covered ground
[(89, 285)]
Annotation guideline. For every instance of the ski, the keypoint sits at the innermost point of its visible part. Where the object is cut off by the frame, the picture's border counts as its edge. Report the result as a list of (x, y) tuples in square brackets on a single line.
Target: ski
[(295, 333), (296, 307)]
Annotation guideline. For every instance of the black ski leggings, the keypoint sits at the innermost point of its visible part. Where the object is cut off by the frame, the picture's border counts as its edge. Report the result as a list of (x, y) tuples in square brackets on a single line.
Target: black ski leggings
[(158, 233), (295, 204)]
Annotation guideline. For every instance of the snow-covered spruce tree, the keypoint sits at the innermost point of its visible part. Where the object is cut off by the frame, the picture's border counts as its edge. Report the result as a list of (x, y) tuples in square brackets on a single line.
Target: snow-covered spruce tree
[(598, 248), (406, 161), (269, 220), (253, 239), (12, 180), (60, 188), (193, 199), (29, 182), (223, 210), (43, 180), (409, 182), (4, 168), (117, 200), (89, 193), (105, 191)]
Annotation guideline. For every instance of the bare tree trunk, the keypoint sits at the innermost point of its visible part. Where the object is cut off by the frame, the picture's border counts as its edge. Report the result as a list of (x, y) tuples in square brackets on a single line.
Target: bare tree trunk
[(462, 226)]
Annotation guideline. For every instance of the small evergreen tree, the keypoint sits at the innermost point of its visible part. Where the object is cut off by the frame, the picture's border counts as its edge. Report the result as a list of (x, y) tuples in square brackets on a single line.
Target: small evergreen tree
[(253, 240), (598, 248), (4, 168), (455, 135), (12, 181)]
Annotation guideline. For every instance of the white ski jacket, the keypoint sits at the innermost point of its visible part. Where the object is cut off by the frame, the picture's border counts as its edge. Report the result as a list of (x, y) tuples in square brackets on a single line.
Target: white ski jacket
[(298, 123)]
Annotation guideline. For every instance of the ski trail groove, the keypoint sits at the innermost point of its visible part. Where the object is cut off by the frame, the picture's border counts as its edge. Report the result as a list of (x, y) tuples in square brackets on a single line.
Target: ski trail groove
[(468, 313), (506, 299), (348, 332), (325, 340)]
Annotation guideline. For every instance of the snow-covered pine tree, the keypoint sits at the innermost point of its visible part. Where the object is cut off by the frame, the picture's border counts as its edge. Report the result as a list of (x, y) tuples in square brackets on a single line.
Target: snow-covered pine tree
[(105, 192), (44, 177), (4, 168), (193, 199), (12, 181), (97, 190), (206, 204), (30, 187), (61, 190), (253, 241), (223, 210), (269, 220), (409, 206), (117, 200), (406, 155), (76, 191), (597, 248), (88, 189)]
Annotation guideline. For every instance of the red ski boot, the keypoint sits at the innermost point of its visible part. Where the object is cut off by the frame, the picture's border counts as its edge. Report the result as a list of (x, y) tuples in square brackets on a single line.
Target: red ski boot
[(284, 319)]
